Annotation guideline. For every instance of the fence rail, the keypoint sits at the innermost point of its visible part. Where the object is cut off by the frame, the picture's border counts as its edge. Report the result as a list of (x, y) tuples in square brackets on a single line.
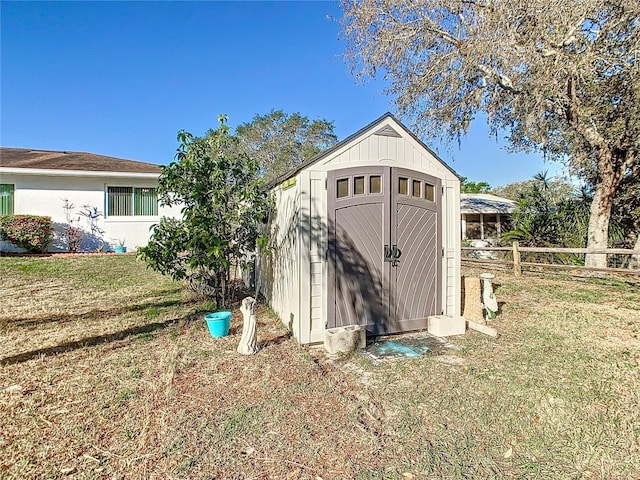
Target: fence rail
[(516, 262)]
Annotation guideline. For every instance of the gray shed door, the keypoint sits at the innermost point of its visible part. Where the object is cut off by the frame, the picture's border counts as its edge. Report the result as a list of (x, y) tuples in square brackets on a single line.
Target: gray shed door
[(384, 248)]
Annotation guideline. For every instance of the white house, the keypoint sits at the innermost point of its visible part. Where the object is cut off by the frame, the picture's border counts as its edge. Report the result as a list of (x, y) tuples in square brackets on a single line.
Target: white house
[(367, 233), (484, 216), (122, 192)]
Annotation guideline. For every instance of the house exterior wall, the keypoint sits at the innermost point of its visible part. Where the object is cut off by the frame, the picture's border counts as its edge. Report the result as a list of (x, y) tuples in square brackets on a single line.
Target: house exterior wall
[(307, 208), (45, 194)]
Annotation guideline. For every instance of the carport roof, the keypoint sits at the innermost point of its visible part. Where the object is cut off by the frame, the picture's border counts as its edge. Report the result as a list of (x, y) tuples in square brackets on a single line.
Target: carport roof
[(485, 203)]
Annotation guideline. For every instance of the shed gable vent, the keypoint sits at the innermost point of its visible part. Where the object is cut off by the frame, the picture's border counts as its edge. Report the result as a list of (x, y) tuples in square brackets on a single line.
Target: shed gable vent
[(387, 131)]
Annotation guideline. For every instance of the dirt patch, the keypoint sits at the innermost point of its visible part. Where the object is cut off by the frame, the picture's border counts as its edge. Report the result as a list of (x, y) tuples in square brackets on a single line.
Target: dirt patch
[(407, 347)]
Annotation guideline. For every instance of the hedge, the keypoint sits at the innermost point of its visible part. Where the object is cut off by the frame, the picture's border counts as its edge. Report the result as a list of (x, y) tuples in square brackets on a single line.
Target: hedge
[(31, 232)]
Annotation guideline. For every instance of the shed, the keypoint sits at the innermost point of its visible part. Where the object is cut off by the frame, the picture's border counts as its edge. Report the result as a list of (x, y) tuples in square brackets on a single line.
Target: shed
[(364, 233)]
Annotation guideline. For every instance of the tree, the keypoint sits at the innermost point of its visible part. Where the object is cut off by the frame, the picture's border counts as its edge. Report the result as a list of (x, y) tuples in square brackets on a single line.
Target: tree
[(280, 141), (626, 210), (626, 213), (556, 189), (223, 204), (549, 213), (560, 77), (468, 186)]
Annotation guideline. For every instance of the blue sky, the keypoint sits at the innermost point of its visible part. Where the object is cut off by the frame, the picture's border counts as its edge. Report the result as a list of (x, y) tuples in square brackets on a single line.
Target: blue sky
[(121, 78)]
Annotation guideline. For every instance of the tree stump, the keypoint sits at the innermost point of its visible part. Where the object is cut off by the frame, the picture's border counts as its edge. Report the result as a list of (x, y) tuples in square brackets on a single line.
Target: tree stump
[(248, 344)]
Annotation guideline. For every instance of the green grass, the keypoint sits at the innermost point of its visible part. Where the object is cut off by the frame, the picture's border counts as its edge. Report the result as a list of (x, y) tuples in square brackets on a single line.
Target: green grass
[(118, 377)]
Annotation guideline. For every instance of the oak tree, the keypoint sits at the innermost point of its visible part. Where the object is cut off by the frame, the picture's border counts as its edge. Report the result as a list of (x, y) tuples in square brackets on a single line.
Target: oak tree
[(560, 77), (281, 141)]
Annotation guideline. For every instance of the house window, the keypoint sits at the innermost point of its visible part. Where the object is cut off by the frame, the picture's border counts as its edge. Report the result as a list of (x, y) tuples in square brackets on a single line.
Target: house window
[(6, 198), (490, 225), (474, 231), (130, 201)]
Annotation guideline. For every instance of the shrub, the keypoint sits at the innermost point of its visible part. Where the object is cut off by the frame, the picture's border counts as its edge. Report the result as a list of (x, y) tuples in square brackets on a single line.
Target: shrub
[(31, 232)]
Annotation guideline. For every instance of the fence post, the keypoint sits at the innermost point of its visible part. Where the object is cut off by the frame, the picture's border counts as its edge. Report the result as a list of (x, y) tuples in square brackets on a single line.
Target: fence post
[(517, 270)]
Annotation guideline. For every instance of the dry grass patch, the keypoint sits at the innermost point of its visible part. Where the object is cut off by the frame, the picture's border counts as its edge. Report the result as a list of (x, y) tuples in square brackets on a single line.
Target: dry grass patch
[(121, 379)]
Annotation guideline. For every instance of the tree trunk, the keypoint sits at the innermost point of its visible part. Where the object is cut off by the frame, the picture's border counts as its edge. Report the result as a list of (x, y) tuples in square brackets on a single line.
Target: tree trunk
[(598, 235), (635, 259)]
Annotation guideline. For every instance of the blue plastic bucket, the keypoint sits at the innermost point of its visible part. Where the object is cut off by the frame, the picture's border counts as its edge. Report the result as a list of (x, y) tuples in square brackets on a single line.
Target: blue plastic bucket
[(218, 323)]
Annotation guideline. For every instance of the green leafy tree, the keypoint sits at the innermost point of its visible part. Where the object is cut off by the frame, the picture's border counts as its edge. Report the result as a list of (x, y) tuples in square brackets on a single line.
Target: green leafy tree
[(468, 186), (223, 204), (280, 141), (543, 219), (626, 209), (555, 189), (560, 77)]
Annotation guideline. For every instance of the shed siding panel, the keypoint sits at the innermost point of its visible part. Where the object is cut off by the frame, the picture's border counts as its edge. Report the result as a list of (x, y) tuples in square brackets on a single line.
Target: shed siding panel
[(354, 153), (452, 249), (364, 150), (317, 257), (383, 145), (374, 148), (306, 231), (399, 147), (279, 279)]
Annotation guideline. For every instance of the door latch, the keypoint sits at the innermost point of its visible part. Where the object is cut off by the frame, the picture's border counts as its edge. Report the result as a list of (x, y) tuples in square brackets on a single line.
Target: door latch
[(395, 253), (392, 254)]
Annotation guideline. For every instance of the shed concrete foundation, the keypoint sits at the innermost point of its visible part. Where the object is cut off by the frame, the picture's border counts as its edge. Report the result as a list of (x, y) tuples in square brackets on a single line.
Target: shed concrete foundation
[(345, 339), (446, 325)]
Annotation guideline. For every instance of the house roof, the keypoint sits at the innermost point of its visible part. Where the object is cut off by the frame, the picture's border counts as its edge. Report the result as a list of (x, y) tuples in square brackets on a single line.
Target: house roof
[(347, 140), (77, 161), (485, 203)]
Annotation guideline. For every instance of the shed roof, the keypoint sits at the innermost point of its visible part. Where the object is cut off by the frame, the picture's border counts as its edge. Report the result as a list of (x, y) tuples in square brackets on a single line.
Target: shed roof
[(485, 203), (350, 138), (78, 161)]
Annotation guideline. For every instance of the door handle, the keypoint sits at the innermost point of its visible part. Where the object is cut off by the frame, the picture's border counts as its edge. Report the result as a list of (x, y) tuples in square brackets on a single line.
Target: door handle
[(396, 253), (392, 254), (388, 253)]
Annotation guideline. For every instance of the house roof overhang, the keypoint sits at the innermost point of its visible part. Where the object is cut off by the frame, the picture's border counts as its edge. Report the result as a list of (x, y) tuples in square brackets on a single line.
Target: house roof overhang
[(26, 161), (76, 173), (485, 203)]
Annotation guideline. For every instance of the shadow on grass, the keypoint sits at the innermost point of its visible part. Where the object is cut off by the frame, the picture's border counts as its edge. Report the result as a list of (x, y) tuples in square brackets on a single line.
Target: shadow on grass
[(96, 340), (95, 314), (274, 341)]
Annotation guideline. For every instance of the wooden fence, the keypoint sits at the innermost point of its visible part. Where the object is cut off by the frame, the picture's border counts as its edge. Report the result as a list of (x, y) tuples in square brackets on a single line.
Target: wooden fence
[(517, 257)]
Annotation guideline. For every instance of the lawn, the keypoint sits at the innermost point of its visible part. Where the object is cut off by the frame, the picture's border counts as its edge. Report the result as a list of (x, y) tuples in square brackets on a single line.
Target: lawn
[(107, 371)]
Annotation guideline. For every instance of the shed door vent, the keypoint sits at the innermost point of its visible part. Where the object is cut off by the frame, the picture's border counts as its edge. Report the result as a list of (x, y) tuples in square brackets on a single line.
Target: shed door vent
[(388, 132)]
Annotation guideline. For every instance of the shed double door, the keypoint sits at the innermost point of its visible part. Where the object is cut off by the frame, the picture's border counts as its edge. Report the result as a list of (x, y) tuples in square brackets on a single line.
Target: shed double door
[(384, 248)]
